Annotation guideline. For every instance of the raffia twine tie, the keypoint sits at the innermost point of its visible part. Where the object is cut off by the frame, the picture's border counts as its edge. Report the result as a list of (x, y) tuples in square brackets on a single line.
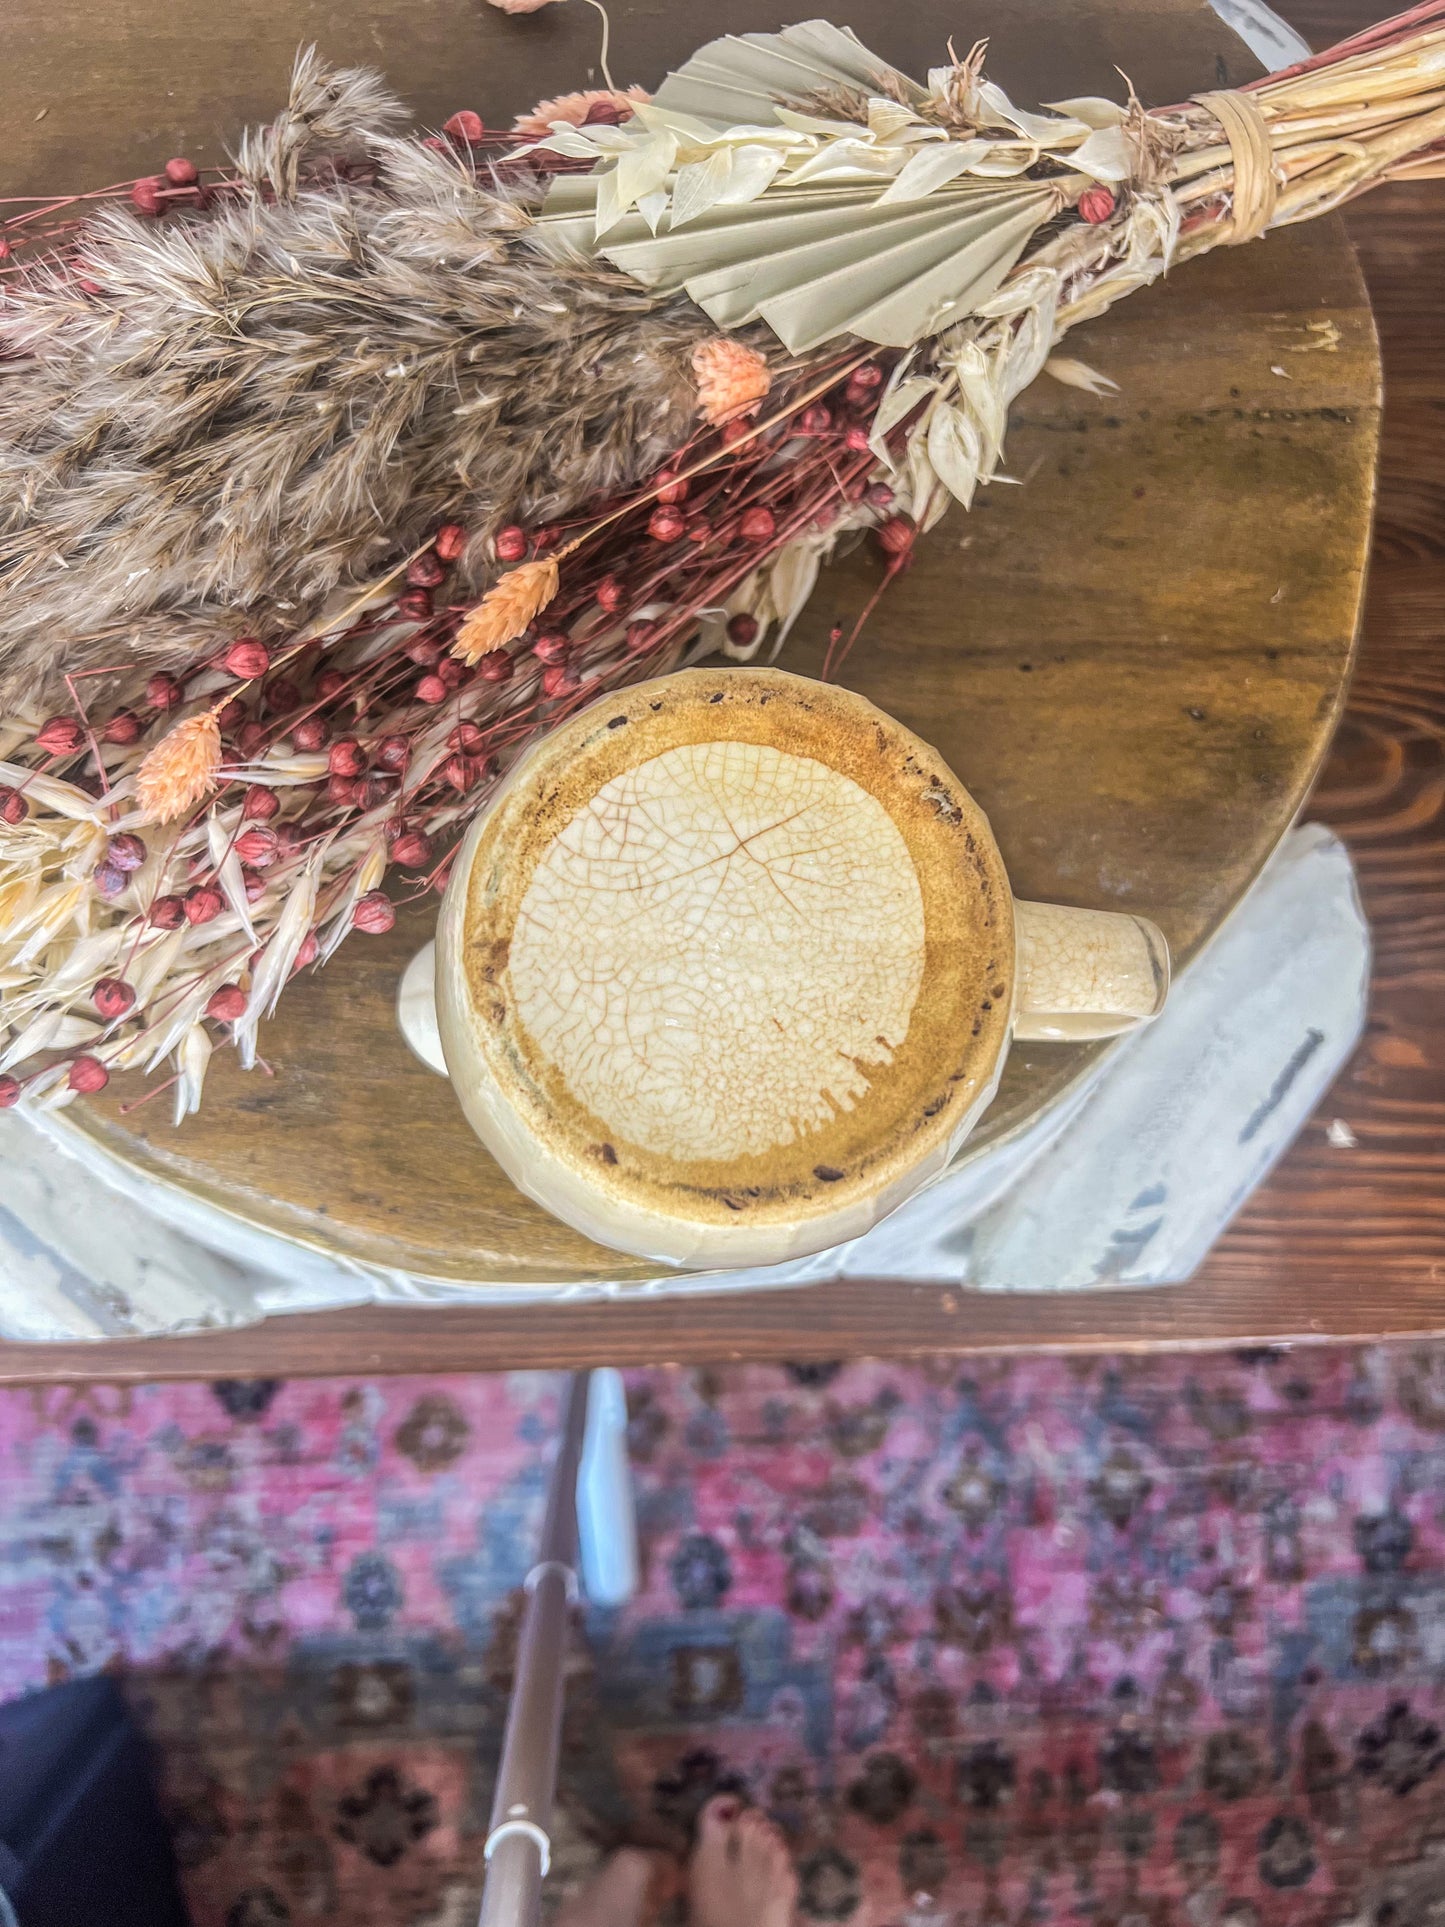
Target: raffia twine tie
[(1252, 151)]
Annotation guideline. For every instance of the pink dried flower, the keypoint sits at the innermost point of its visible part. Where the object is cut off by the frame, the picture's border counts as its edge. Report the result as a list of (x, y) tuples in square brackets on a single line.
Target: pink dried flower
[(259, 804), (247, 658), (576, 109), (113, 997), (413, 851), (10, 1092), (203, 904), (88, 1075), (163, 691), (146, 195), (126, 851), (374, 913), (61, 736), (732, 379), (258, 847)]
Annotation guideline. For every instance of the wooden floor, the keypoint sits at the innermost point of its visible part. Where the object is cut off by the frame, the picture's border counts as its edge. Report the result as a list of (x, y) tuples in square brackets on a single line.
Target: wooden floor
[(1343, 1240)]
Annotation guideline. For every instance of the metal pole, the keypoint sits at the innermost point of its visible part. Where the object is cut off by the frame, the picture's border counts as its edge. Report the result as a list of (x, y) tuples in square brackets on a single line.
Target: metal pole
[(518, 1849)]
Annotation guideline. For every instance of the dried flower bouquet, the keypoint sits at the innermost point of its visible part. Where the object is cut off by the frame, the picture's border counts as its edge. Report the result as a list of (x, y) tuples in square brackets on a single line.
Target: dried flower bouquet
[(329, 479)]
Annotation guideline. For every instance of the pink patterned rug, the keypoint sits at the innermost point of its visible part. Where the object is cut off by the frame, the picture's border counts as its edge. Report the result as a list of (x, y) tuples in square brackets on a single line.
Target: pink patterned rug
[(1131, 1642)]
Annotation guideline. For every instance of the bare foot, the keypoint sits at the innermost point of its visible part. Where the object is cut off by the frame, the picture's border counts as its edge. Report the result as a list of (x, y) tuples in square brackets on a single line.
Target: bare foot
[(740, 1874), (628, 1890)]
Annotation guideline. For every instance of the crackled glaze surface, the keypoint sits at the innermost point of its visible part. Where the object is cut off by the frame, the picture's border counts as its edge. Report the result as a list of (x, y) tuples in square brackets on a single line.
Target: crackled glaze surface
[(717, 949)]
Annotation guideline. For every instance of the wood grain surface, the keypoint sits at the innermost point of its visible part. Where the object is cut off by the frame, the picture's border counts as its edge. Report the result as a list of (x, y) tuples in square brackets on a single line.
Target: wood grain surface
[(1135, 660), (1342, 1240)]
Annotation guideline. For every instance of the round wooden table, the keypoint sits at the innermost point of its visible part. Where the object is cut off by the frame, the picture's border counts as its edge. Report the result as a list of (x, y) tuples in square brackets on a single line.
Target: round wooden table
[(1135, 659)]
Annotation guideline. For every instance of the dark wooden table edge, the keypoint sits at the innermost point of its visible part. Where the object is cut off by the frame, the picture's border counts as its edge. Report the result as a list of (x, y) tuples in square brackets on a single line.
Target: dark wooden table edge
[(879, 1318)]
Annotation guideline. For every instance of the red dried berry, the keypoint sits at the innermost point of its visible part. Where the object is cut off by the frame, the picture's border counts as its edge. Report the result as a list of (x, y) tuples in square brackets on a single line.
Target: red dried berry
[(4, 250), (451, 539), (126, 851), (699, 530), (110, 883), (496, 666), (61, 736), (866, 377), (424, 651), (670, 488), (1096, 204), (430, 689), (311, 733), (414, 605), (231, 715), (641, 635), (374, 913), (736, 430), (259, 804), (253, 883), (88, 1075), (182, 173), (856, 440), (281, 695), (167, 913), (553, 647), (146, 197), (511, 543), (163, 691), (896, 535), (330, 684), (9, 1092), (425, 571), (393, 752), (289, 838), (112, 997), (815, 419), (743, 629), (452, 672), (258, 847), (606, 113), (758, 525), (374, 790), (251, 738), (227, 1004), (610, 594), (465, 126), (246, 659), (459, 771), (466, 737), (665, 524), (203, 904), (122, 729), (345, 757), (307, 953), (559, 680), (342, 792), (13, 807), (413, 851), (879, 495)]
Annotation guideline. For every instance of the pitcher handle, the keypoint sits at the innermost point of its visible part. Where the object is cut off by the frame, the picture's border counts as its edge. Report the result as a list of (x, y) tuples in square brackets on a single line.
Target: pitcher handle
[(1084, 974)]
